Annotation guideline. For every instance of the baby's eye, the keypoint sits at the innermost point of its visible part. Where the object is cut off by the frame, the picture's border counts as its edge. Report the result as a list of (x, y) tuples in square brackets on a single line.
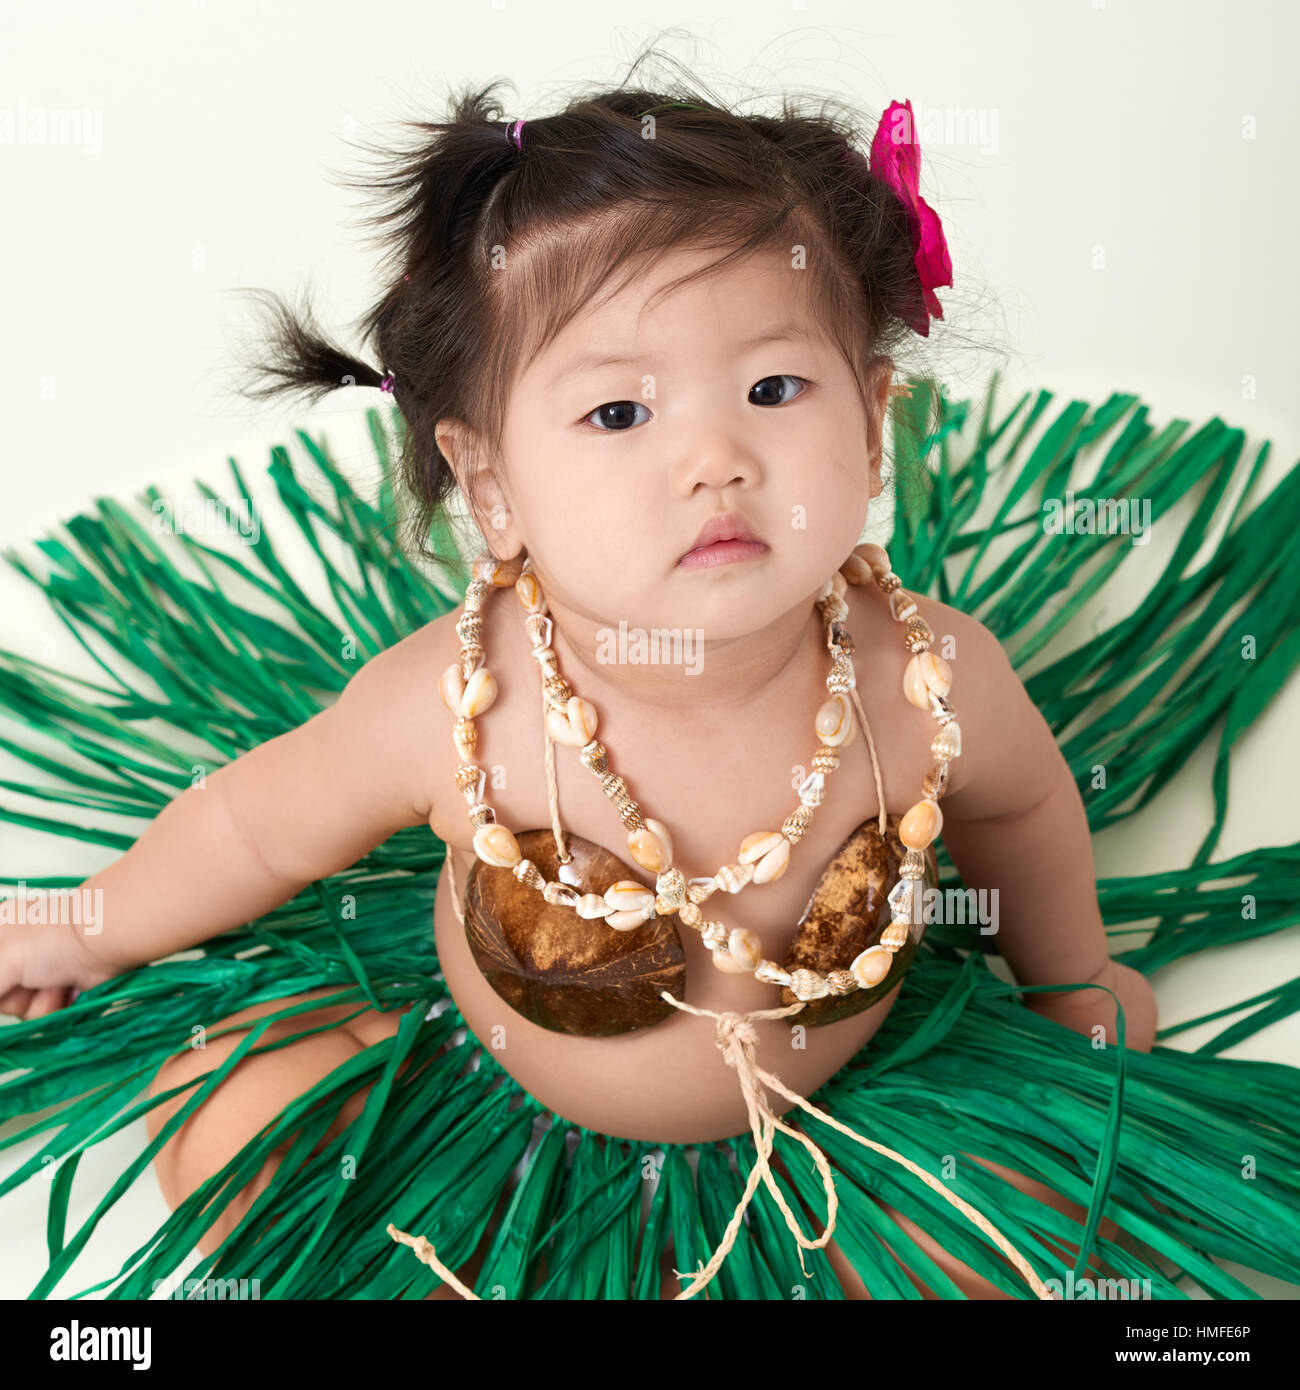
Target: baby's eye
[(765, 397), (617, 417), (614, 416)]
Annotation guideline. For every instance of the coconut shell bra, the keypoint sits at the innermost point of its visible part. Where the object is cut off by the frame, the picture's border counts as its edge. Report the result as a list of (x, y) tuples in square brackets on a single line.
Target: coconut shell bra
[(559, 973)]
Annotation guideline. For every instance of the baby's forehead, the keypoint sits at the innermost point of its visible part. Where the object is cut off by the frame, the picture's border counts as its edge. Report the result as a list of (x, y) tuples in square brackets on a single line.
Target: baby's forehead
[(739, 306)]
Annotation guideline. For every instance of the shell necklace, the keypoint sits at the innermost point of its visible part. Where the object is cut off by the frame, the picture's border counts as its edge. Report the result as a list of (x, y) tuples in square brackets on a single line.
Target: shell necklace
[(468, 689)]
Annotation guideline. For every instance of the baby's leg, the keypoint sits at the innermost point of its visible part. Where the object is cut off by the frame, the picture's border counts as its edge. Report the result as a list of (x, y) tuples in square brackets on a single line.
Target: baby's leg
[(973, 1285), (254, 1093)]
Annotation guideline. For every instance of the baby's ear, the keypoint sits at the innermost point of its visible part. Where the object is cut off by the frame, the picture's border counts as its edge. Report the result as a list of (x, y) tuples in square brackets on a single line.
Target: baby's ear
[(880, 376), (480, 486)]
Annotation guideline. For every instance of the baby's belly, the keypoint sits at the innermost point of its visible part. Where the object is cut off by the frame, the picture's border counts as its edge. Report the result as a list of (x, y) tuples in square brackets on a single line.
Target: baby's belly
[(667, 1083)]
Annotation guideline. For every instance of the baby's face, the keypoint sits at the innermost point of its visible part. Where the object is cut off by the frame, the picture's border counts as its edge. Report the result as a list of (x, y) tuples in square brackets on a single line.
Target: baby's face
[(611, 470)]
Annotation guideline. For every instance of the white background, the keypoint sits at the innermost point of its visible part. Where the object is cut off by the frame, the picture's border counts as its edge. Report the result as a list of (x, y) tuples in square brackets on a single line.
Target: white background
[(1126, 221)]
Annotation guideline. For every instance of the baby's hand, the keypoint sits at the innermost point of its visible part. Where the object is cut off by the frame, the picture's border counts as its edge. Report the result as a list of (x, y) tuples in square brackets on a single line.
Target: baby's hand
[(41, 964), (1083, 1009)]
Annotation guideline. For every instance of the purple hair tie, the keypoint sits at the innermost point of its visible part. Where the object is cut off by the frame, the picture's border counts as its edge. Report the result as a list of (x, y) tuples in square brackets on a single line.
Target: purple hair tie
[(514, 131), (387, 383)]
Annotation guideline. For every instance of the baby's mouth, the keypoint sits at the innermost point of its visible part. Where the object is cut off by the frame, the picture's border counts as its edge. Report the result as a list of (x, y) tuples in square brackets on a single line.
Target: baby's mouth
[(723, 539), (722, 553)]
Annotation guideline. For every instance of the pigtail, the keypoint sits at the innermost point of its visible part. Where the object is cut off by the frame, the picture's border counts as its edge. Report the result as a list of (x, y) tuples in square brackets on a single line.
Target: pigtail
[(432, 194), (432, 185), (295, 357)]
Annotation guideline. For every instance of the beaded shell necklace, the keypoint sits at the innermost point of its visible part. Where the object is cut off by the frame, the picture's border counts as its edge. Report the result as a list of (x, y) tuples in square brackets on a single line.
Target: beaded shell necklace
[(468, 688)]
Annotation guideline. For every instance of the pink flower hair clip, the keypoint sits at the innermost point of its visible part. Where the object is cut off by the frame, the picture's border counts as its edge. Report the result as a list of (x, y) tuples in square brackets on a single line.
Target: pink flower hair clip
[(896, 161)]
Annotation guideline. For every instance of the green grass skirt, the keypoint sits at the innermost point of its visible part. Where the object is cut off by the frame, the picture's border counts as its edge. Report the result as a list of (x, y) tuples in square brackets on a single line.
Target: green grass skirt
[(1194, 1155)]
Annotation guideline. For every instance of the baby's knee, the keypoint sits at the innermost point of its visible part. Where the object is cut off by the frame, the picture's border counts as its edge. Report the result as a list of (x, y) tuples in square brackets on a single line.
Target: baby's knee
[(1032, 1187), (977, 1286), (967, 1280), (253, 1094)]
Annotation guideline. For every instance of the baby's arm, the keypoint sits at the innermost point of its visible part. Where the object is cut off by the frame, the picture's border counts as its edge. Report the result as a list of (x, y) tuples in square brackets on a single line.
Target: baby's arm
[(297, 808), (1015, 823)]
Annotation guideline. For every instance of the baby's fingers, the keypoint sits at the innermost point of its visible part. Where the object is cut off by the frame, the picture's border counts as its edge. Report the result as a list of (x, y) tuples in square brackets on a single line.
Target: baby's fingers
[(46, 1001), (16, 1001)]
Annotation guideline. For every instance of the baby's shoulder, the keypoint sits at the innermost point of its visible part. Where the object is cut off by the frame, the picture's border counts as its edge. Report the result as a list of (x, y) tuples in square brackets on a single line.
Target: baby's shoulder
[(1010, 756), (985, 687), (960, 638), (396, 697)]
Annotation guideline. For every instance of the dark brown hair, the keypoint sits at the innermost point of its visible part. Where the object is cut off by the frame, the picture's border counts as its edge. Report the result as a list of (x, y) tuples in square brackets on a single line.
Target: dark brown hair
[(616, 177)]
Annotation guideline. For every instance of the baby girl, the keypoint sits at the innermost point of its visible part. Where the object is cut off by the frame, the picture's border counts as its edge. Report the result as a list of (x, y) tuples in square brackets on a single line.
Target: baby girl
[(639, 847)]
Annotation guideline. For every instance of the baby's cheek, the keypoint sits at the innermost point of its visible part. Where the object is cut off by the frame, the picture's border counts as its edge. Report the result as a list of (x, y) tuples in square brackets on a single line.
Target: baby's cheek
[(826, 515)]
